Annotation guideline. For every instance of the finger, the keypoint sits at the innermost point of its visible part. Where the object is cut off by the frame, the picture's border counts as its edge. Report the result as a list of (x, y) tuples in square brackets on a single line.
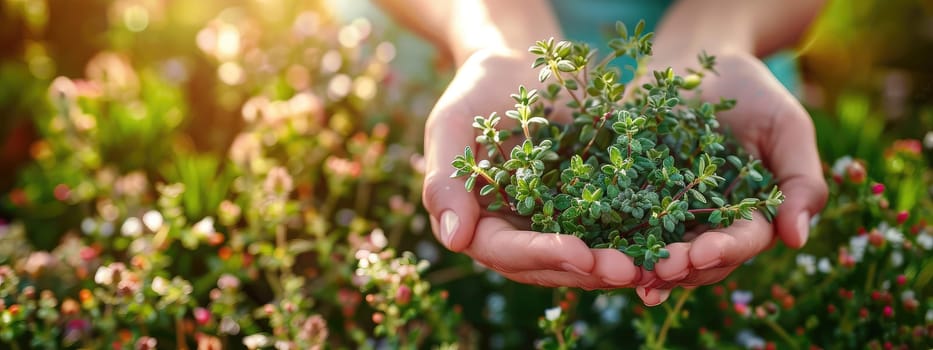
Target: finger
[(790, 152), (731, 245), (615, 269), (706, 277), (498, 245), (677, 265), (652, 297), (455, 211), (551, 278)]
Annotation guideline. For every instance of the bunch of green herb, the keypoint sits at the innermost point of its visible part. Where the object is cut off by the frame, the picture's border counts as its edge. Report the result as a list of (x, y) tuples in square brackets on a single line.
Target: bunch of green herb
[(638, 167)]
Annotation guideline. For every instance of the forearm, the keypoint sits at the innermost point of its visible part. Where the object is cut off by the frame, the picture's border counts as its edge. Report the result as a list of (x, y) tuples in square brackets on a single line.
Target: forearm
[(461, 27), (757, 27)]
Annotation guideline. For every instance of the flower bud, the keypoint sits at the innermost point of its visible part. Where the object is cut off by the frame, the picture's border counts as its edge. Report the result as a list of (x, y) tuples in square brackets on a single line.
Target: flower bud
[(692, 81)]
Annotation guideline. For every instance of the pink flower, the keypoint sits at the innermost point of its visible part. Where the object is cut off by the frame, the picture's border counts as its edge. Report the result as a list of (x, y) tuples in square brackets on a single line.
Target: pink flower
[(202, 316), (902, 217), (877, 188), (888, 311), (403, 295)]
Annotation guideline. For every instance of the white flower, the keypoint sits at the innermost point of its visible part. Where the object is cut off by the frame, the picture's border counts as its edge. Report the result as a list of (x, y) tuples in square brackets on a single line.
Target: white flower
[(153, 220), (928, 140), (552, 314), (858, 245), (256, 341), (104, 275), (284, 345), (495, 306), (378, 238), (749, 340), (743, 297), (824, 265), (205, 227), (132, 227), (929, 315), (808, 262), (106, 229), (839, 167), (160, 285), (891, 234), (897, 258), (907, 295), (88, 226), (925, 240)]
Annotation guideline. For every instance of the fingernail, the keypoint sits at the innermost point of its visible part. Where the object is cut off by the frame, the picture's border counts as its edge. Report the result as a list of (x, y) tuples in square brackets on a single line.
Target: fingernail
[(712, 263), (679, 276), (642, 293), (574, 269), (449, 223), (615, 282), (663, 294), (803, 227)]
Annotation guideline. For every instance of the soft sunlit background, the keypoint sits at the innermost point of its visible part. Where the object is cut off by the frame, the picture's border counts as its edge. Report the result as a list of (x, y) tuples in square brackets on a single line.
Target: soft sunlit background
[(236, 173)]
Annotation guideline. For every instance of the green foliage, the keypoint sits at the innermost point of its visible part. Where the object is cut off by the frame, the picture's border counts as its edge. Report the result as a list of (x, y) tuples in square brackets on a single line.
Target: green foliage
[(638, 167)]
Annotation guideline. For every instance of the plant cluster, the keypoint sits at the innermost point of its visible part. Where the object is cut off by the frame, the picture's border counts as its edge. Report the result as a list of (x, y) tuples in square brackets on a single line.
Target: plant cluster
[(870, 260), (278, 242), (637, 168)]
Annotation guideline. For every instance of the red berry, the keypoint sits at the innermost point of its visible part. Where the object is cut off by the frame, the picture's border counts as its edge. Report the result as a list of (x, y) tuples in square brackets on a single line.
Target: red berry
[(876, 238), (202, 316), (901, 280), (888, 311), (877, 188), (831, 309), (856, 172), (902, 217), (863, 313)]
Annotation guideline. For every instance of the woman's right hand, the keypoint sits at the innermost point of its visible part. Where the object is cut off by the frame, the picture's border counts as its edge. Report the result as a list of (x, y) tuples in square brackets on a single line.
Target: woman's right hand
[(481, 86)]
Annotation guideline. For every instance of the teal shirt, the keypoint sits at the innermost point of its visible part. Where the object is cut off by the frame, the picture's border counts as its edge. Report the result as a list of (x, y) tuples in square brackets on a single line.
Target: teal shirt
[(593, 21)]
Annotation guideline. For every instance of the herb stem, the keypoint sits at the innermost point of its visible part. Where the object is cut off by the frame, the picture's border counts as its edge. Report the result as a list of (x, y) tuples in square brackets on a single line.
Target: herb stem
[(669, 320), (781, 333), (556, 72)]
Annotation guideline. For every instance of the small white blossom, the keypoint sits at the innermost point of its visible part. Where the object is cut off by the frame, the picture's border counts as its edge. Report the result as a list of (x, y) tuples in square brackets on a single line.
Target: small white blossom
[(807, 262), (908, 295), (106, 229), (891, 234), (886, 285), (925, 240), (743, 297), (897, 258), (929, 315), (256, 341), (824, 265), (205, 227), (378, 238), (858, 245), (749, 340), (160, 285), (132, 227), (88, 226), (495, 306), (928, 140), (552, 314), (153, 220), (839, 167), (104, 275)]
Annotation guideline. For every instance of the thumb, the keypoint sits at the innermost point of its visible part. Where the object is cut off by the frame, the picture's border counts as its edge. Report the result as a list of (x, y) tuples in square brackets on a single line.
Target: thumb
[(453, 211), (793, 157)]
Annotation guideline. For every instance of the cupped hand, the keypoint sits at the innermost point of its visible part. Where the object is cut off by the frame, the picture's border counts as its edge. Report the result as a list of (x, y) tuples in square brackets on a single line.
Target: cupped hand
[(481, 86), (773, 126)]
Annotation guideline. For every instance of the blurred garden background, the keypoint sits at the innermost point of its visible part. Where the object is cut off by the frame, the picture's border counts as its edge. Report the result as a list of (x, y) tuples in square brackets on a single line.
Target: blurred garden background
[(246, 174)]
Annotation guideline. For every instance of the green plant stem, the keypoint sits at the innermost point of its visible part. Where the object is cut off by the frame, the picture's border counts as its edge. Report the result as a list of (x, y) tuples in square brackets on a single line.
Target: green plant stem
[(505, 196), (556, 72), (870, 276), (781, 332), (669, 320)]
